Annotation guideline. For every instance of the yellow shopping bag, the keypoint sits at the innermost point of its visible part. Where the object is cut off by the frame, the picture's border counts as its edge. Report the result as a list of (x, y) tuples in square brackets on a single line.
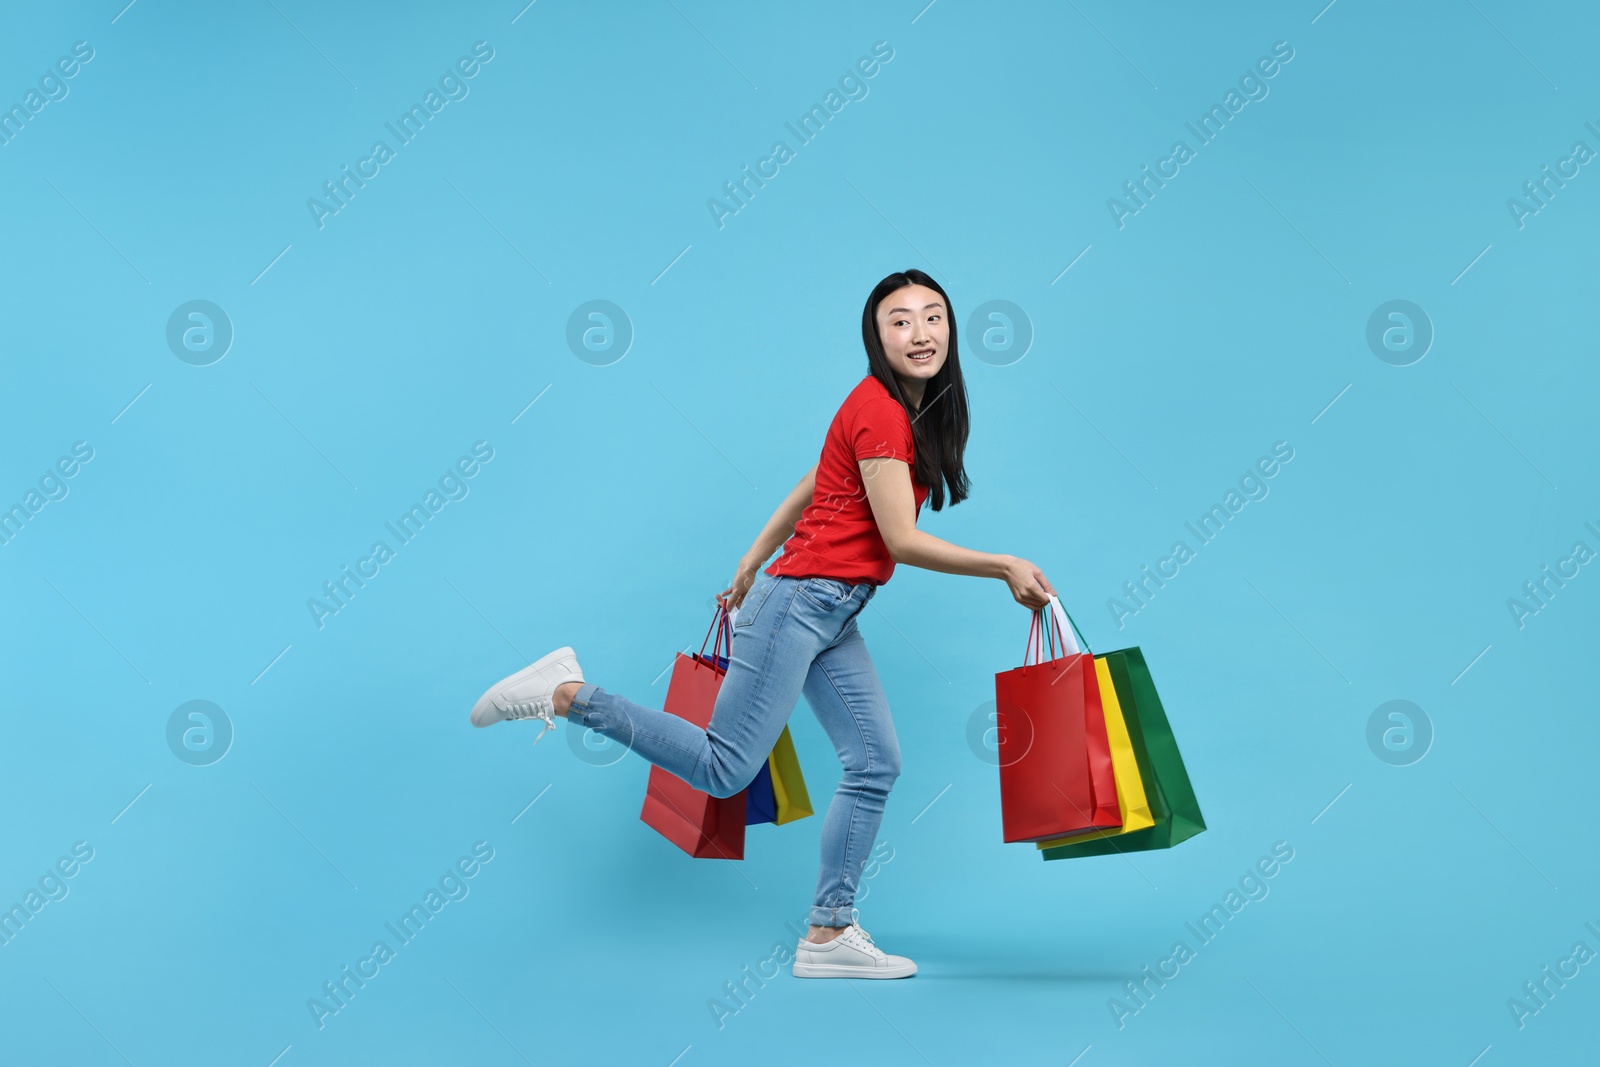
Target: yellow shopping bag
[(788, 784), (1131, 799)]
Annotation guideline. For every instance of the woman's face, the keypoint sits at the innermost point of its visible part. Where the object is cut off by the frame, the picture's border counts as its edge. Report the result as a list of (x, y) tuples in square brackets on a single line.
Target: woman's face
[(914, 325)]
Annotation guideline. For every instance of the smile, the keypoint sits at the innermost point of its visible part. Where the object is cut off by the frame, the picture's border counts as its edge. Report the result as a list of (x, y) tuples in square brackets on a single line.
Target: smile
[(922, 357)]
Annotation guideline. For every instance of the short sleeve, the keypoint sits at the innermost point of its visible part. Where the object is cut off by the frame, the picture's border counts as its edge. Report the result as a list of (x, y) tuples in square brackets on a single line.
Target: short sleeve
[(881, 429)]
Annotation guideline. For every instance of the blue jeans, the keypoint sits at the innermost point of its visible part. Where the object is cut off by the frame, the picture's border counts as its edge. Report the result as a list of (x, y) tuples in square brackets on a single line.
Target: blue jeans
[(791, 636)]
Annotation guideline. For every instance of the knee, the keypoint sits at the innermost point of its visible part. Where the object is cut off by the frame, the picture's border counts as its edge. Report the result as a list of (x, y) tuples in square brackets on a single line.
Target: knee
[(890, 768), (724, 779), (880, 772)]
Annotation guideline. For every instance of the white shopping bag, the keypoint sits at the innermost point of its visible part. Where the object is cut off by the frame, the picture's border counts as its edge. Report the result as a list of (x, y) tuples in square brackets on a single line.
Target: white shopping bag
[(1036, 650)]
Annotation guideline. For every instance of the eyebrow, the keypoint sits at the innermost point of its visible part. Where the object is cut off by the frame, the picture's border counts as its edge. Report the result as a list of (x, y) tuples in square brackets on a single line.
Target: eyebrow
[(925, 307)]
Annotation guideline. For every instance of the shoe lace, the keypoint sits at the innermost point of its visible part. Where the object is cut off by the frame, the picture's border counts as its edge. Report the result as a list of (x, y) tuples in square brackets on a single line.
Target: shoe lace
[(862, 939), (531, 709)]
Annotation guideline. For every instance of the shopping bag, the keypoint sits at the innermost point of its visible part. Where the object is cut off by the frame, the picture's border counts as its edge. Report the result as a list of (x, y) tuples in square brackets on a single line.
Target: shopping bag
[(704, 826), (1173, 807), (788, 784), (760, 800), (1056, 774), (1131, 798), (777, 794)]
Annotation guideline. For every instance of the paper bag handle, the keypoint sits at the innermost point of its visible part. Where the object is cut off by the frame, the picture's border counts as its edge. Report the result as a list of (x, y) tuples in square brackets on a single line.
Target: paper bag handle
[(720, 616), (1069, 632), (1056, 622), (1034, 652)]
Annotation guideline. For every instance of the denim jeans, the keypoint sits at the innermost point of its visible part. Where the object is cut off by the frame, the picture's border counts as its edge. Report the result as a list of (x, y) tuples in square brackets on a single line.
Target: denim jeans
[(792, 636)]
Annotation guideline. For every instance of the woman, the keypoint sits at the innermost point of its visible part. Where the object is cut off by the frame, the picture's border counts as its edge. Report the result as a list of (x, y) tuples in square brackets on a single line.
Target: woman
[(900, 431)]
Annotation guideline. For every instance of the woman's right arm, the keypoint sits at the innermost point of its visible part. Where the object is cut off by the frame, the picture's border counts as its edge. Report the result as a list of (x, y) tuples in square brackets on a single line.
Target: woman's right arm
[(894, 508), (776, 531), (781, 525)]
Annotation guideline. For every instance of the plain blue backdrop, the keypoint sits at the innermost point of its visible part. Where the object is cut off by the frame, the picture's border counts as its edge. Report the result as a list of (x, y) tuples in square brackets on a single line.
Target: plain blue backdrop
[(1433, 875)]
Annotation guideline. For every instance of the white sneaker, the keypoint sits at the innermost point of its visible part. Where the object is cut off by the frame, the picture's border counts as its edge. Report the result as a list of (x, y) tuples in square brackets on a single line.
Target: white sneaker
[(530, 693), (850, 955)]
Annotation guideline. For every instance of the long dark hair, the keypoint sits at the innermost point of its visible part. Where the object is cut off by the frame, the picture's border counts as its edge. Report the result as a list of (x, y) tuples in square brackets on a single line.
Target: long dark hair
[(940, 428)]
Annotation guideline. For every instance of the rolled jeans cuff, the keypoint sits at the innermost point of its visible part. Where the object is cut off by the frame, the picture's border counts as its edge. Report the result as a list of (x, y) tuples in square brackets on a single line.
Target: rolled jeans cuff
[(580, 704), (844, 915)]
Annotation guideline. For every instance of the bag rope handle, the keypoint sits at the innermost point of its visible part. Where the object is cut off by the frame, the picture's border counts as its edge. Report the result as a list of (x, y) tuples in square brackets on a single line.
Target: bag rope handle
[(1039, 623), (720, 616), (1043, 623), (1082, 640)]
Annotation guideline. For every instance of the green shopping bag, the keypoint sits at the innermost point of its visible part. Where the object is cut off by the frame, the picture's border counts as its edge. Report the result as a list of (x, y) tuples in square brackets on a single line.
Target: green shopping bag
[(1167, 786)]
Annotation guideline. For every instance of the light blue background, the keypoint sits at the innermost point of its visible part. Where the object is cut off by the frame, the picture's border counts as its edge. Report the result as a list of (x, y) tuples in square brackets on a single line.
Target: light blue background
[(1223, 317)]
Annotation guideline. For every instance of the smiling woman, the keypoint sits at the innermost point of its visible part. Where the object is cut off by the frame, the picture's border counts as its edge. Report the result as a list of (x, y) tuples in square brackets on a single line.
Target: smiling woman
[(896, 440)]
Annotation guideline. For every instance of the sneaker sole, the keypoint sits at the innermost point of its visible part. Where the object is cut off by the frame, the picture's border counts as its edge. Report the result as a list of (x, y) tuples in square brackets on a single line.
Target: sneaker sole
[(485, 704), (845, 970)]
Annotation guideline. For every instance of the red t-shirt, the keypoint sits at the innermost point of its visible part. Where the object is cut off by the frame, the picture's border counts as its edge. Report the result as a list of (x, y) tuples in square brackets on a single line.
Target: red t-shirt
[(836, 536)]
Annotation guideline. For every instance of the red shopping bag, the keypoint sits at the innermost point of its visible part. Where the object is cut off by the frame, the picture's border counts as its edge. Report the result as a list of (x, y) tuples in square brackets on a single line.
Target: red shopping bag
[(1056, 775), (704, 826)]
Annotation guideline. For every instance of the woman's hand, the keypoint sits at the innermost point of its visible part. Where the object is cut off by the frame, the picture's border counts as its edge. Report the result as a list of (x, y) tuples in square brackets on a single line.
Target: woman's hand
[(743, 578), (1028, 584)]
